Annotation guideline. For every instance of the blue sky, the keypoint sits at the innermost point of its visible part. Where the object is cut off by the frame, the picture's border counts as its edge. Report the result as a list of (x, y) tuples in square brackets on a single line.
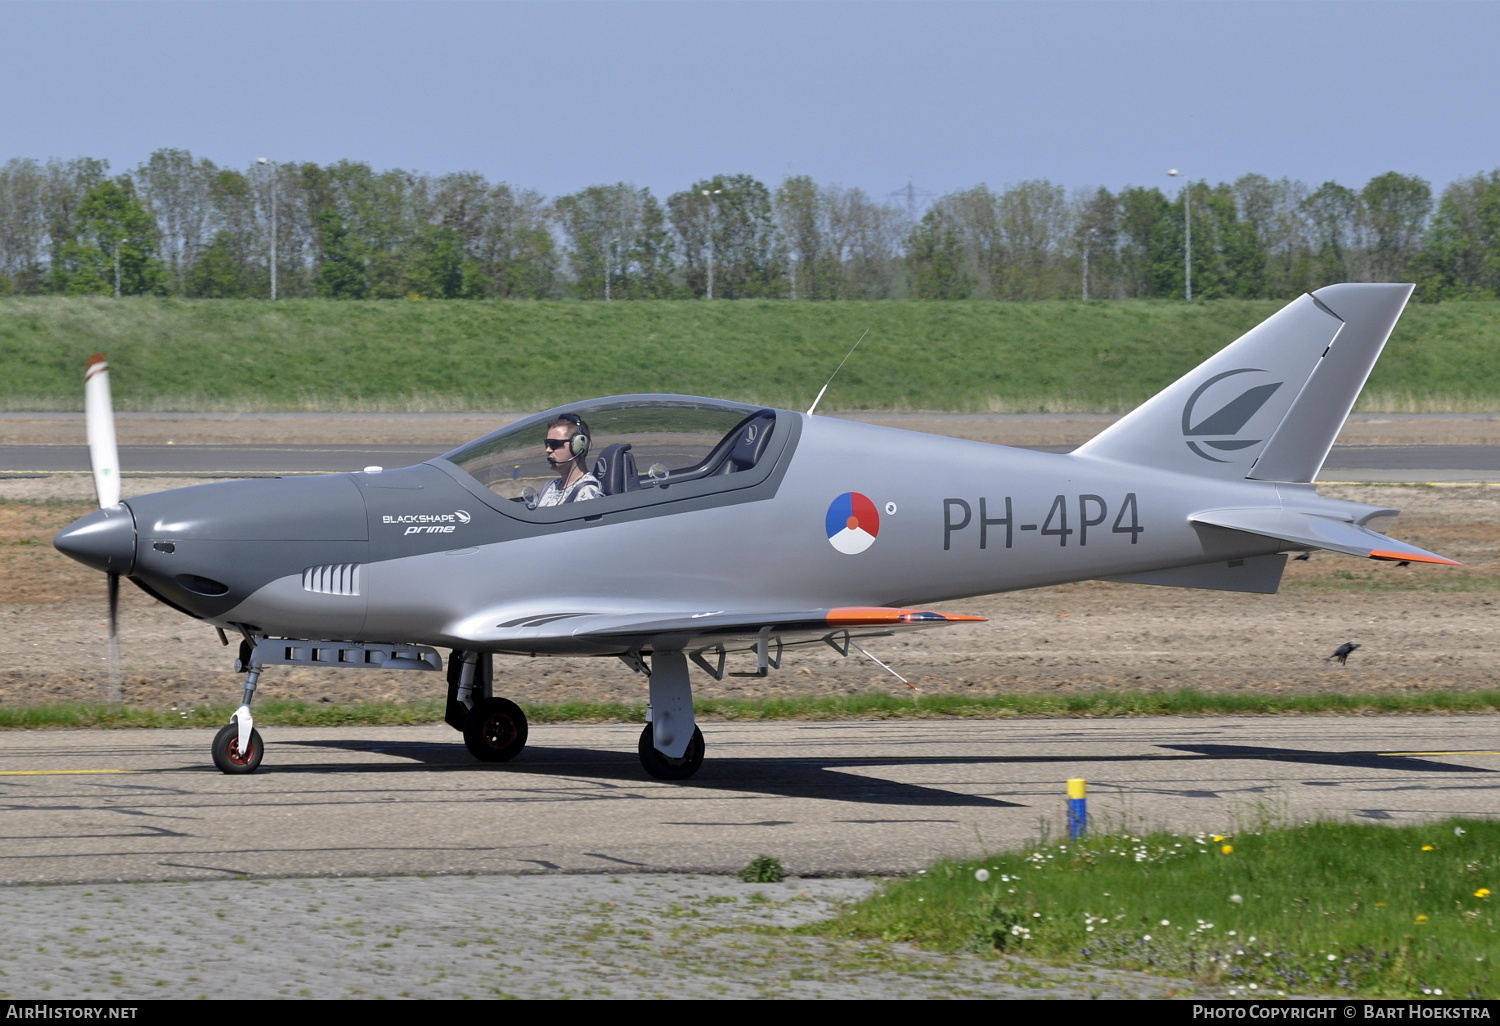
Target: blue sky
[(558, 96)]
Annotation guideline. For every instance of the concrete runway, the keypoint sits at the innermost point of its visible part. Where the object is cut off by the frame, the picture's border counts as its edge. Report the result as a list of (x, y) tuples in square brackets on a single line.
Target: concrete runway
[(878, 797), (1395, 463)]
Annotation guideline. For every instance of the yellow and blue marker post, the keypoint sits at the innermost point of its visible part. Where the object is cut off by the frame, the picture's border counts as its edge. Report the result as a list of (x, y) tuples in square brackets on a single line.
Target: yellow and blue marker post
[(1078, 808)]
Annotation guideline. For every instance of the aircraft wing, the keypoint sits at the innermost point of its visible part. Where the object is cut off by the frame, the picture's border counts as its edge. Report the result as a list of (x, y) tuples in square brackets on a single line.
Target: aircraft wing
[(734, 630), (1314, 531)]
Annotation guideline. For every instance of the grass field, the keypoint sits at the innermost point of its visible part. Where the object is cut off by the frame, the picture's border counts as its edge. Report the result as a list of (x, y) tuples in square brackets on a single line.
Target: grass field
[(1185, 702), (511, 356), (1332, 908)]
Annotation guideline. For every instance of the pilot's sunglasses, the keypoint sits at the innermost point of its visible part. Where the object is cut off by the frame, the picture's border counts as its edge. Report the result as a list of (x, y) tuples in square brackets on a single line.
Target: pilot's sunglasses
[(556, 443)]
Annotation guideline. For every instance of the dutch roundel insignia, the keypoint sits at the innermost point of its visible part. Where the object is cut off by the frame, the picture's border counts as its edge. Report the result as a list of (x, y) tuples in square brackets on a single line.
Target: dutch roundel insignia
[(852, 523)]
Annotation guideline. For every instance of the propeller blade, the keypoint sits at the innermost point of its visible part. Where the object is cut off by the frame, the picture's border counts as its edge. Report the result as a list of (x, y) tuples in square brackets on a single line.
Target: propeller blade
[(115, 696), (104, 457), (99, 413)]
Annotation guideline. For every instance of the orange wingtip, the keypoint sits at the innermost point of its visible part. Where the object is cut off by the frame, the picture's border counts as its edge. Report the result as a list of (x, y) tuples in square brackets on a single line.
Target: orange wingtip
[(852, 615), (1406, 556)]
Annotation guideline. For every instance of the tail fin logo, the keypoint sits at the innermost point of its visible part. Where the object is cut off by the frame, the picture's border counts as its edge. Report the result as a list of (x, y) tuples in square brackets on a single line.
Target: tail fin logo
[(1232, 407)]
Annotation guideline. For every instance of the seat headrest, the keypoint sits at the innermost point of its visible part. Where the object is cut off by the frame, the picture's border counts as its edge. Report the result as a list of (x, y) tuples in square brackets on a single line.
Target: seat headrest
[(751, 443), (615, 469)]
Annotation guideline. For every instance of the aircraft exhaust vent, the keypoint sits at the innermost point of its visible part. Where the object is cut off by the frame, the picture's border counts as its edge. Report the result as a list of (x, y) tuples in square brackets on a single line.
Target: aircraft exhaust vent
[(332, 579)]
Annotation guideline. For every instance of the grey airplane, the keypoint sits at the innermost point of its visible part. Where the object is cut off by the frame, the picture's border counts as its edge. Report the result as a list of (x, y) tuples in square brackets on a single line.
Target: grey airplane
[(722, 534)]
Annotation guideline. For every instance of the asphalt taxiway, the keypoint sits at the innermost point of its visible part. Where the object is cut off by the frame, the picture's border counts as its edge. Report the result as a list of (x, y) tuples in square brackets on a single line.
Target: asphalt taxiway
[(838, 798)]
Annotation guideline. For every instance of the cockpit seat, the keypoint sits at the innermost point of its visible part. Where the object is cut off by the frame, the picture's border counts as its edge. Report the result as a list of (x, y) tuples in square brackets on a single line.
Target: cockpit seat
[(615, 469), (750, 443)]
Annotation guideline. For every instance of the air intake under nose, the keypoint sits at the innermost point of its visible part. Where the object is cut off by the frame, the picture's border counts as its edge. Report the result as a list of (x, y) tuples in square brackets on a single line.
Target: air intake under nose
[(103, 540)]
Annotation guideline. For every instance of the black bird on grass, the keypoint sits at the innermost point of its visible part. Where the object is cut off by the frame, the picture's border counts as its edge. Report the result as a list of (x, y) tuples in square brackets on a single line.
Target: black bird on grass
[(1304, 556), (1343, 652)]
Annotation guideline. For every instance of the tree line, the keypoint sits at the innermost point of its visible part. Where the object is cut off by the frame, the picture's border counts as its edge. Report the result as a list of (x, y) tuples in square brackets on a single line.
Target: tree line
[(180, 225)]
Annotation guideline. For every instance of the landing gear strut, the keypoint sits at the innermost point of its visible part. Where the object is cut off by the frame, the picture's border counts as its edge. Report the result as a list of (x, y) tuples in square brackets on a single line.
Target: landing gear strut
[(671, 746), (494, 729), (237, 747)]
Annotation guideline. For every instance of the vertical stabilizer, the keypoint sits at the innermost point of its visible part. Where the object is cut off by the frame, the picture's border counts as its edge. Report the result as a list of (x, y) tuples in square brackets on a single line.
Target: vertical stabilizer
[(1269, 405), (1300, 443)]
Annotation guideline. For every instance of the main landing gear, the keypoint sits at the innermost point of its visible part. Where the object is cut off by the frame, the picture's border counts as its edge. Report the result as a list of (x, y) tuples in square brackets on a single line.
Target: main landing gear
[(495, 730), (671, 746), (664, 767)]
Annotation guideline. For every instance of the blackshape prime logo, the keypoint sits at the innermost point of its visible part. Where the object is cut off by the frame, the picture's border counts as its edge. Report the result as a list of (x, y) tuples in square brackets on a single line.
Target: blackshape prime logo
[(1233, 405), (428, 523)]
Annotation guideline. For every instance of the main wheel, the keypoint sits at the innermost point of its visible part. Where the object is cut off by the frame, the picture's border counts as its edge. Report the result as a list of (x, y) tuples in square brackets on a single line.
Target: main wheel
[(227, 754), (663, 767), (495, 730)]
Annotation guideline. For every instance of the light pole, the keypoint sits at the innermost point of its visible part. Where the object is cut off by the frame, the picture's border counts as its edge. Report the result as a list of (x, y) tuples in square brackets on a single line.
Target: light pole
[(119, 238), (712, 207), (1088, 237), (275, 173), (1187, 221)]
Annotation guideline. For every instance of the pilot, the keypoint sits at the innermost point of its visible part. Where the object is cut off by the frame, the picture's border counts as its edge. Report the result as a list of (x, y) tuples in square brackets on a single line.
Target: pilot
[(567, 444)]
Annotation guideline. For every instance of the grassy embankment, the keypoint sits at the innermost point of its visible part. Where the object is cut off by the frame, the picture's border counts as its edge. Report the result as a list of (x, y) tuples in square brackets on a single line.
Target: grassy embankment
[(1332, 908), (504, 356)]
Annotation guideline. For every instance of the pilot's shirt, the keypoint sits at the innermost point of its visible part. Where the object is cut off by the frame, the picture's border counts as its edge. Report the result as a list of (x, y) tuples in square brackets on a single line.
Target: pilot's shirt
[(586, 487)]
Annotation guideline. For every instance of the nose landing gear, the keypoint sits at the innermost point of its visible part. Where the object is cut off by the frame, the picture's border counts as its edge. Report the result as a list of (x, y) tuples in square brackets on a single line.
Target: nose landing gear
[(238, 748), (230, 757)]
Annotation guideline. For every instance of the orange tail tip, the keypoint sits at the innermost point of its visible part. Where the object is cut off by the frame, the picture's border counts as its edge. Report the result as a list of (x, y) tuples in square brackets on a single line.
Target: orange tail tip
[(853, 615), (1409, 557)]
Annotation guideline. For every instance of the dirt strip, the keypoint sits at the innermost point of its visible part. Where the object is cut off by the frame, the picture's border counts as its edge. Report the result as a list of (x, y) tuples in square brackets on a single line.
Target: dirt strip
[(1420, 628)]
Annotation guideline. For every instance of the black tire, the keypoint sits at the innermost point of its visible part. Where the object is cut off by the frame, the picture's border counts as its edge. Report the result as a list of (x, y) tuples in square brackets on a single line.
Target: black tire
[(495, 730), (663, 768), (227, 754)]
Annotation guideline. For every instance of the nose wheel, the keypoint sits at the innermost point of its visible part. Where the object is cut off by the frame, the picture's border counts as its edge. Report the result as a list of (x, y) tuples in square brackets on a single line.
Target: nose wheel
[(228, 755), (664, 767), (495, 730)]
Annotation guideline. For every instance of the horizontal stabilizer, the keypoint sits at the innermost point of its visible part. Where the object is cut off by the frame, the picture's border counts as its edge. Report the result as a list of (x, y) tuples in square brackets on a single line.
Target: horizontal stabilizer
[(1319, 532)]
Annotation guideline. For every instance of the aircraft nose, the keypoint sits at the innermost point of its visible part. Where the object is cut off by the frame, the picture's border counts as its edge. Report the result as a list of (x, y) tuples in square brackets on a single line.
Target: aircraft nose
[(103, 540)]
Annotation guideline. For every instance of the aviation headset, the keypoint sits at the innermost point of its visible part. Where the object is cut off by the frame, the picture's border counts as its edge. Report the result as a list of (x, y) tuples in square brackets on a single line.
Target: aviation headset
[(578, 445)]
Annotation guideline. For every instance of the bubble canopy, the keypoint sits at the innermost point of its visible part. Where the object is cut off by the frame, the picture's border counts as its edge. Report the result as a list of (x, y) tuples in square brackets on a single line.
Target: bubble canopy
[(670, 436)]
